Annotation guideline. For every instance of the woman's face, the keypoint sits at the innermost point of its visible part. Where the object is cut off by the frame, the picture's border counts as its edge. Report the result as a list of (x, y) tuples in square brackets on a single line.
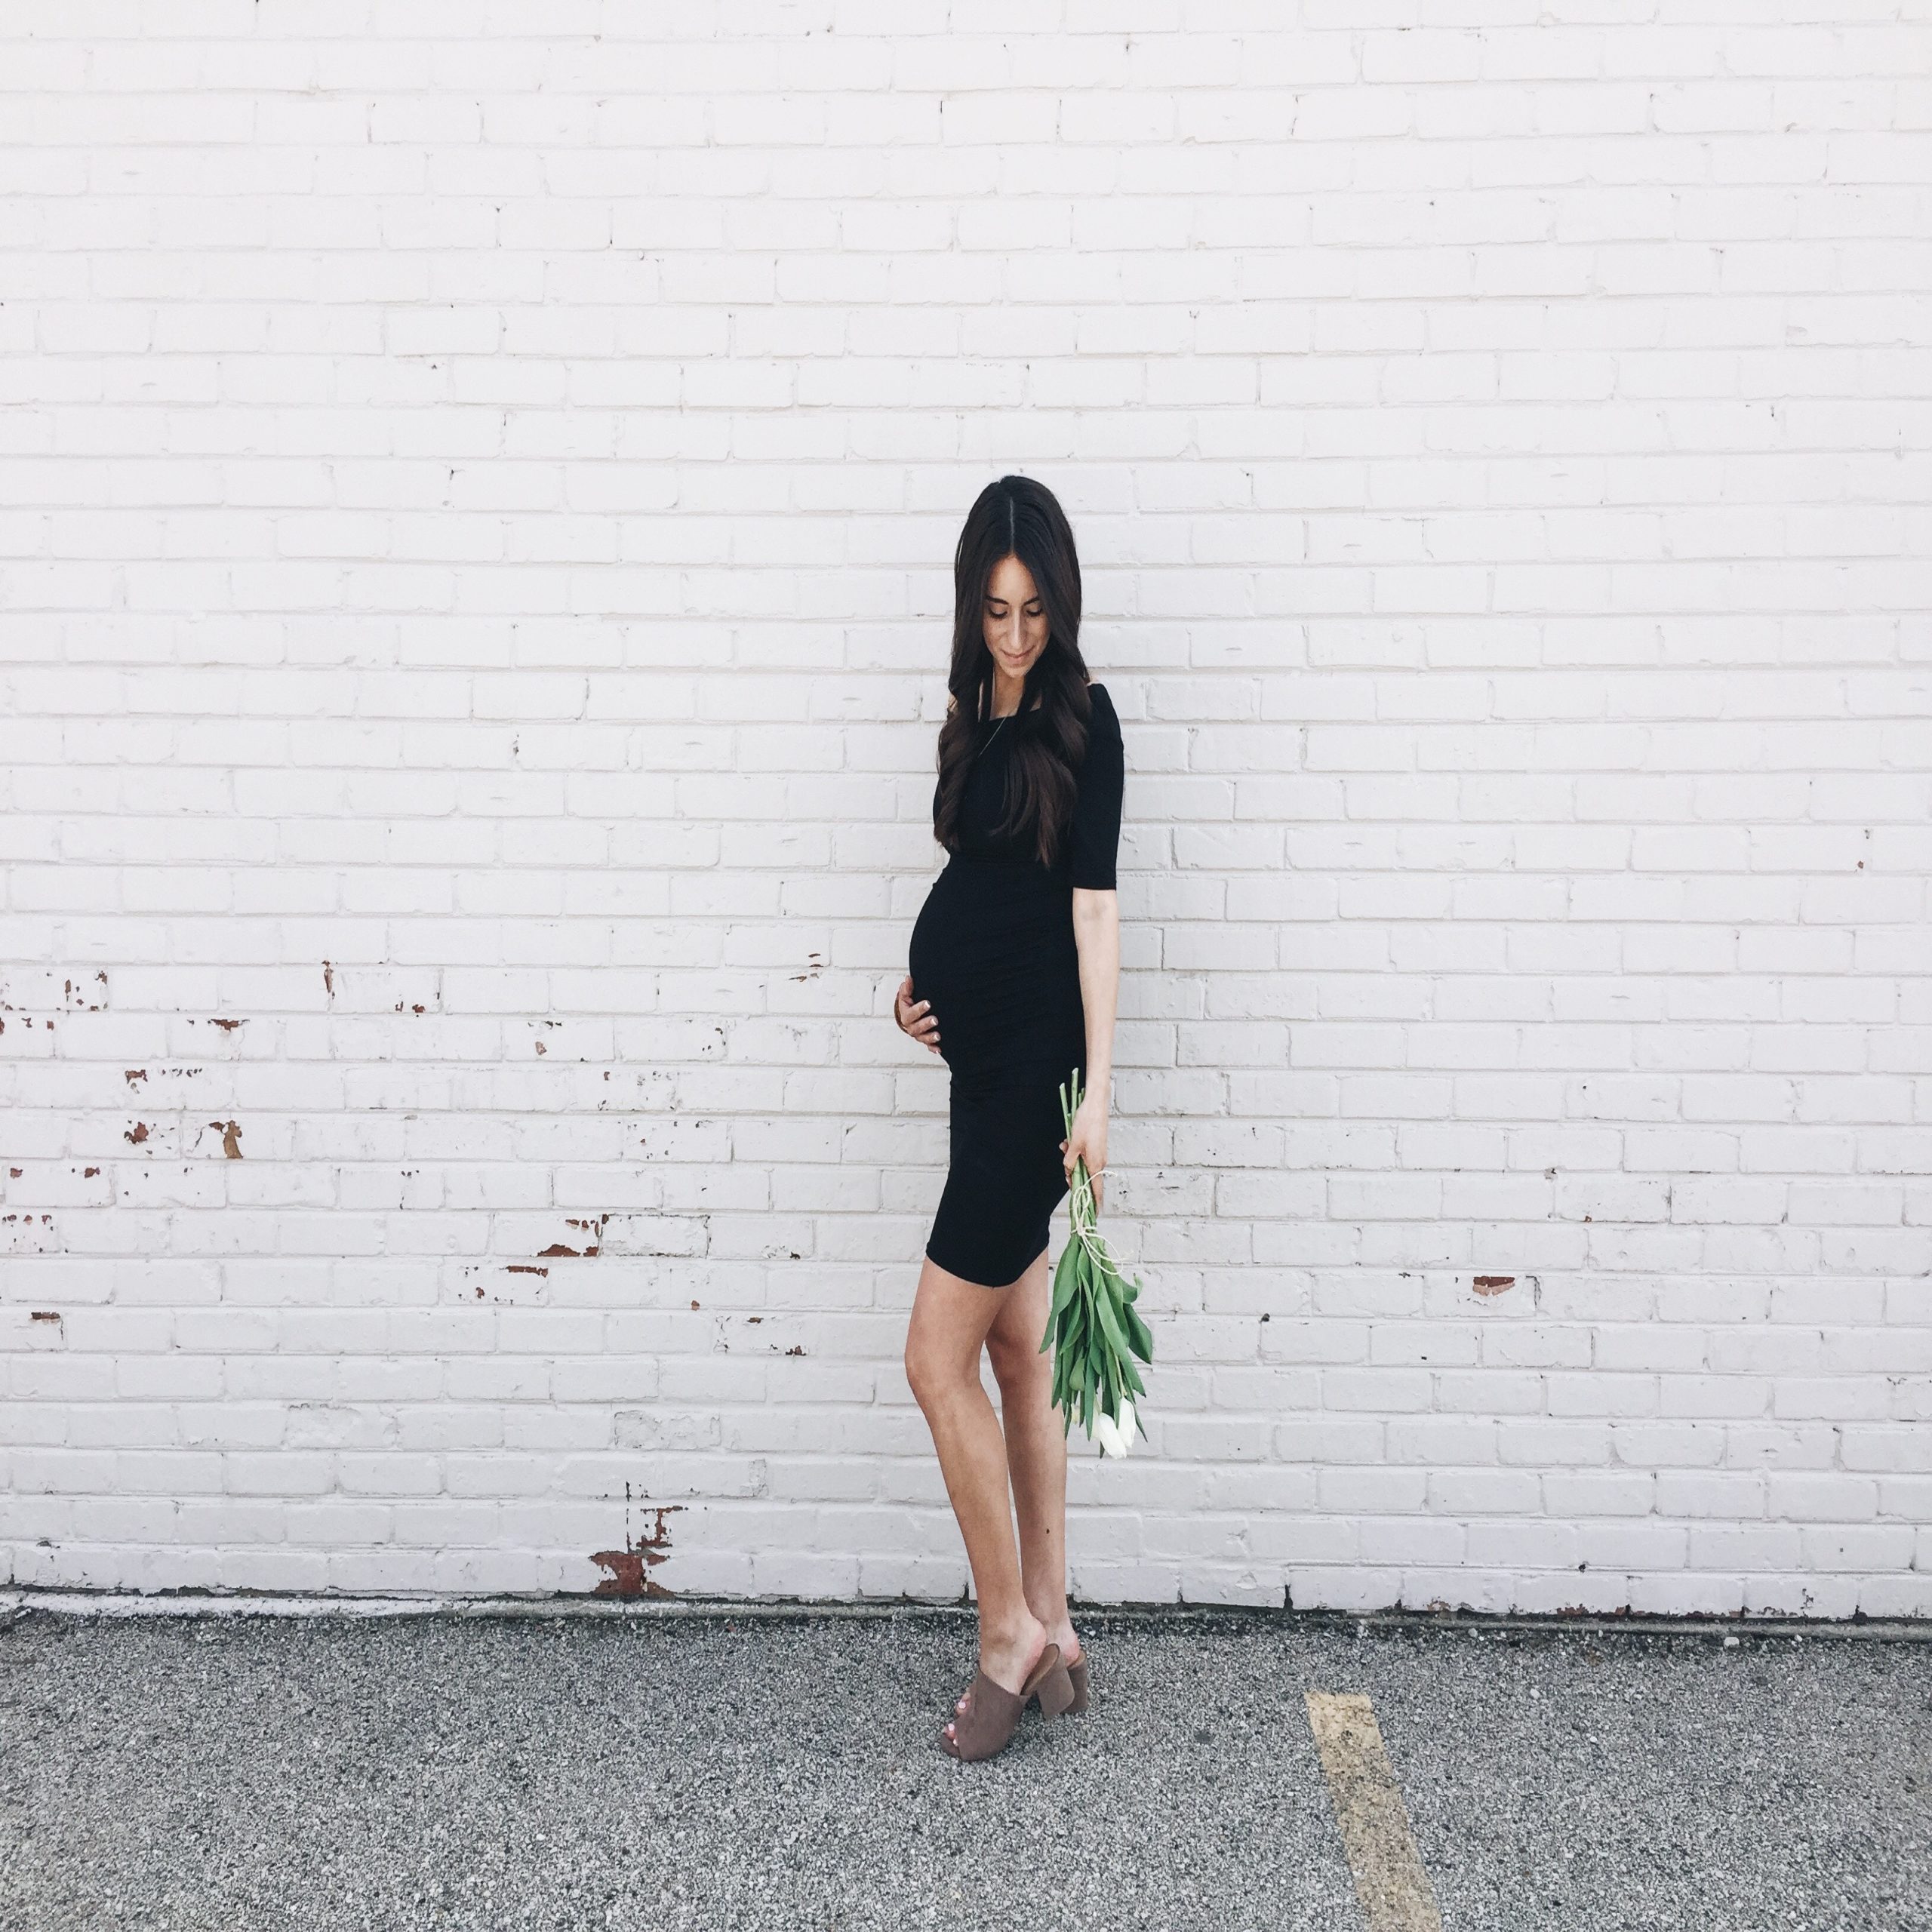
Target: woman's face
[(1015, 620)]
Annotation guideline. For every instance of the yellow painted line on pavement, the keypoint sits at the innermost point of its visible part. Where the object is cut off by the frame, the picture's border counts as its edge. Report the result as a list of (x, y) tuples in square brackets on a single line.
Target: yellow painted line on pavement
[(1390, 1882)]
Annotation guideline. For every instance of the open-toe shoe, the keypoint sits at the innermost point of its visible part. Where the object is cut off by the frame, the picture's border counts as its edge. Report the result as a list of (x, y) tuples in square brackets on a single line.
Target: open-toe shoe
[(992, 1712)]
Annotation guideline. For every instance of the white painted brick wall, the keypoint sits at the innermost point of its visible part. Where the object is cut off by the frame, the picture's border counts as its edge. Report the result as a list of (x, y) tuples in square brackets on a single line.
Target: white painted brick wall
[(478, 494)]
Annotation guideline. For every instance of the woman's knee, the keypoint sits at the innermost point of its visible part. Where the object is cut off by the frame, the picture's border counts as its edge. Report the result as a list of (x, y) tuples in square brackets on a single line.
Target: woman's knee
[(1017, 1365), (932, 1371)]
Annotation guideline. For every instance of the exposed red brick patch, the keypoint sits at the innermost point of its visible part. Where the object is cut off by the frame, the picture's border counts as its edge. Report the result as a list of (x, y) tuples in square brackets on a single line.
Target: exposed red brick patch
[(524, 1268), (139, 1133), (74, 998), (47, 1315), (231, 1137), (595, 1228), (630, 1567), (228, 1025), (1493, 1284)]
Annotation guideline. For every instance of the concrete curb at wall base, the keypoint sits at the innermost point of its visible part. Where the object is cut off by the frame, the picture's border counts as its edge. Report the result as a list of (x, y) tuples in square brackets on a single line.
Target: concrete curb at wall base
[(103, 1604)]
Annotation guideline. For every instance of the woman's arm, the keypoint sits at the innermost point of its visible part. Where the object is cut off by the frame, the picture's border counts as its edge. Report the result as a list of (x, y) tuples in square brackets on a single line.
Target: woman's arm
[(1095, 845), (1097, 932)]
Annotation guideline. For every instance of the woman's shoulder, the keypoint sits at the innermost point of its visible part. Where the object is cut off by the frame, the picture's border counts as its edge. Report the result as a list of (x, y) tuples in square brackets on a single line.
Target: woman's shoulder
[(1103, 713)]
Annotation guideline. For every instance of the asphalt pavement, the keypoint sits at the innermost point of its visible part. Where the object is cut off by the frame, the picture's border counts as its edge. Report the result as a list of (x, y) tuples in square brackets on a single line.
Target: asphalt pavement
[(729, 1771)]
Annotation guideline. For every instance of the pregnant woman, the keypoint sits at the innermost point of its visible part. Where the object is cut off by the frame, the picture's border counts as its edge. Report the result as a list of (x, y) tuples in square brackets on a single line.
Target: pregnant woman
[(1014, 965)]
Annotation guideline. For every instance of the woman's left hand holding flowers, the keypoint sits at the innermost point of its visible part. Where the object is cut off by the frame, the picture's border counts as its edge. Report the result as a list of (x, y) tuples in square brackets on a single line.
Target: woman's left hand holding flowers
[(1088, 1142)]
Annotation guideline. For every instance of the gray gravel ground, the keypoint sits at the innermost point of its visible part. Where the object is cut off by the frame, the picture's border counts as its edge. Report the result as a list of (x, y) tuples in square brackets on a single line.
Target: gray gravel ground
[(447, 1772)]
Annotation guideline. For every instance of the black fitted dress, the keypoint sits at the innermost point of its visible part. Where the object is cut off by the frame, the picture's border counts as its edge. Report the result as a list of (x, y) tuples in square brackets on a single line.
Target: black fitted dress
[(993, 950)]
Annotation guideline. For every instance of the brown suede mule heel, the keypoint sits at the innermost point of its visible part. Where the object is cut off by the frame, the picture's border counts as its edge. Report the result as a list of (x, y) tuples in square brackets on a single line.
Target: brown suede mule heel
[(993, 1711), (1076, 1675)]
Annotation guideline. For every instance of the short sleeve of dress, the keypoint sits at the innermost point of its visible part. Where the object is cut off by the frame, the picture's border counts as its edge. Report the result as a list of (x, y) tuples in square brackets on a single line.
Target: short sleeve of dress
[(1094, 842)]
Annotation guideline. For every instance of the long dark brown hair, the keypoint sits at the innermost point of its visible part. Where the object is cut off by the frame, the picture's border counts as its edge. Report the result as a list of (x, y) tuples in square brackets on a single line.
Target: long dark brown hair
[(1016, 517)]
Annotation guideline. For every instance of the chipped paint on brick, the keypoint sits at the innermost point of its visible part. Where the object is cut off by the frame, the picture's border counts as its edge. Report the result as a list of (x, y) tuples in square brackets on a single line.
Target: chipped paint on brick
[(558, 1249), (74, 998), (630, 1567), (1493, 1284), (26, 1233)]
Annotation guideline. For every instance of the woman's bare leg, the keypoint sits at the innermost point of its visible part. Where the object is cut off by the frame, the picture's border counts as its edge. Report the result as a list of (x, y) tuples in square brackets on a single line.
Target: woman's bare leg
[(948, 1330), (1035, 1449)]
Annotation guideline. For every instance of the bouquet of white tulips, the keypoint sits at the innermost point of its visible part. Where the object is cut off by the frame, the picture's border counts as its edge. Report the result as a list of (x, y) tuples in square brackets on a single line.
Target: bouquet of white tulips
[(1092, 1327)]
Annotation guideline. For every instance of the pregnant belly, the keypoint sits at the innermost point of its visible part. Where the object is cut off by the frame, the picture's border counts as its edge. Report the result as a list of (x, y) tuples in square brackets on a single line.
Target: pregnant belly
[(993, 949)]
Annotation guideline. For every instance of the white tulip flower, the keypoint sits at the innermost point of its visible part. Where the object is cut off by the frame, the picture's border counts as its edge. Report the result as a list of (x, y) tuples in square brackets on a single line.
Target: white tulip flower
[(1124, 1422), (1113, 1442)]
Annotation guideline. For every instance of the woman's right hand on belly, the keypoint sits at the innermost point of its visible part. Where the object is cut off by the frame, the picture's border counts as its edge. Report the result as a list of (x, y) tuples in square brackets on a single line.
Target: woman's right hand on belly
[(916, 1018)]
